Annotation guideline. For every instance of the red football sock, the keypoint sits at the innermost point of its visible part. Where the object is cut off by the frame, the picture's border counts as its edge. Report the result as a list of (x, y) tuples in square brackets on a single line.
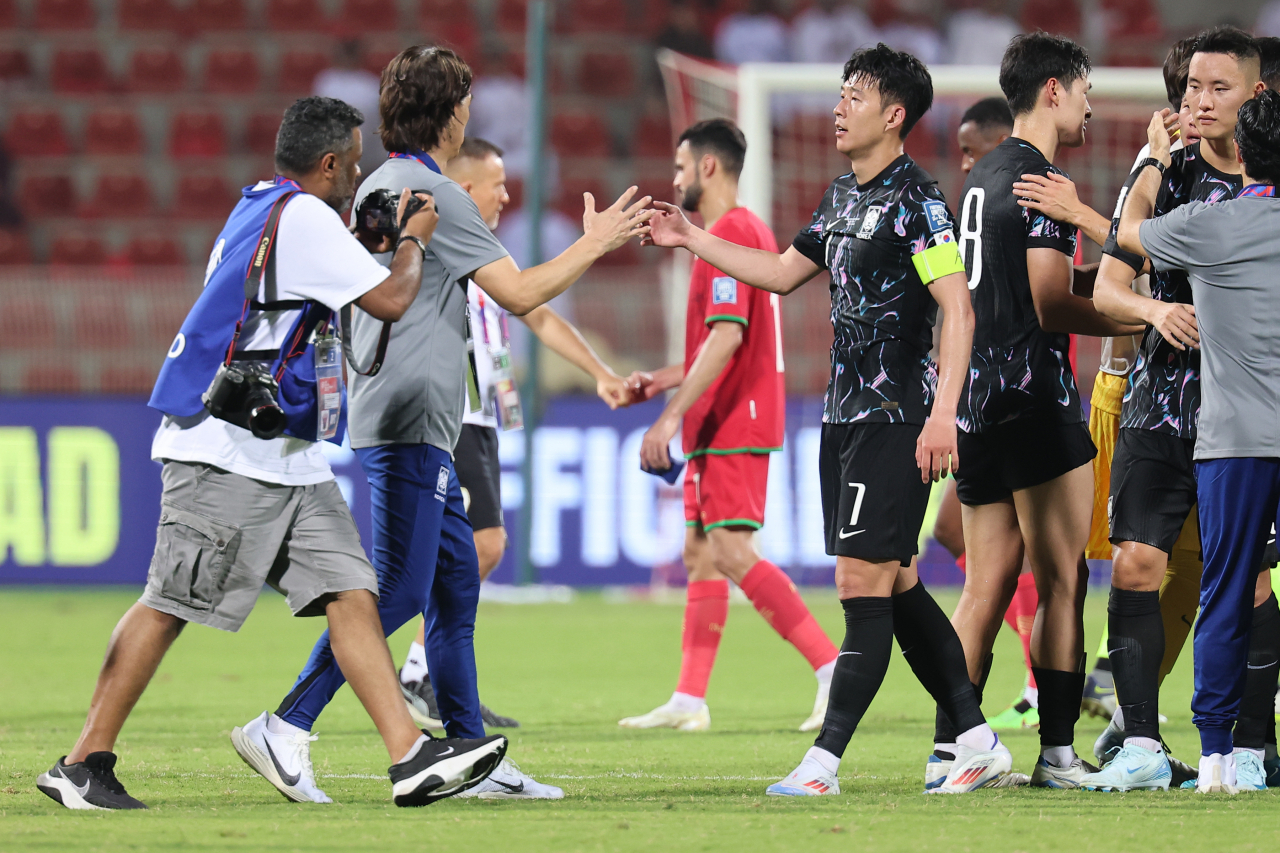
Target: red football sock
[(1021, 615), (775, 596), (705, 611)]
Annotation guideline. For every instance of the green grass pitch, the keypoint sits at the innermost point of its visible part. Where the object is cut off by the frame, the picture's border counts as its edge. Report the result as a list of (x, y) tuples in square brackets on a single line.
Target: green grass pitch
[(568, 672)]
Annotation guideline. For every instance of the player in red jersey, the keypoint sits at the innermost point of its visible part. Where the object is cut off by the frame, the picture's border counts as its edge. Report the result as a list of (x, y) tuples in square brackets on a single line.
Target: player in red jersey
[(732, 401)]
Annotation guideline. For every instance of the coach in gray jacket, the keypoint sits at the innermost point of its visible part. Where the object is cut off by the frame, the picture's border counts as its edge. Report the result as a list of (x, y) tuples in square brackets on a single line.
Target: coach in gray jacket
[(1231, 252)]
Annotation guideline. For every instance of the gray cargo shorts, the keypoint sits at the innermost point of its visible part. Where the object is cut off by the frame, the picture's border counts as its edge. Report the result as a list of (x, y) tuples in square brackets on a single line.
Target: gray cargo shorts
[(223, 535)]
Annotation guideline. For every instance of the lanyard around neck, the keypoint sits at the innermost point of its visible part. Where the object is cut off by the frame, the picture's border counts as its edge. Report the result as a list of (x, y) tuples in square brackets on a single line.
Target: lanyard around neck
[(421, 156)]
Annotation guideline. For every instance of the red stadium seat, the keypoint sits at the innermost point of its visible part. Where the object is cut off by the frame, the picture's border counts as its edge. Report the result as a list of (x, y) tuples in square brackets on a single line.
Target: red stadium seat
[(652, 138), (8, 14), (51, 379), (580, 135), (80, 71), (156, 70), (37, 133), (45, 196), (374, 60), (126, 380), (369, 16), (511, 15), (594, 16), (288, 16), (203, 197), (96, 324), (298, 70), (14, 249), (77, 250), (198, 134), (150, 251), (113, 132), (438, 12), (450, 23), (14, 64), (65, 15), (260, 133), (1052, 16), (27, 324), (147, 15), (216, 15), (231, 72), (607, 75), (119, 196)]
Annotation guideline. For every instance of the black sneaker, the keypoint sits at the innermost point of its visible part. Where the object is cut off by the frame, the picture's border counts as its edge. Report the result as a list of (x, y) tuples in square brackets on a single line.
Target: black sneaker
[(496, 721), (443, 767), (91, 784), (421, 700)]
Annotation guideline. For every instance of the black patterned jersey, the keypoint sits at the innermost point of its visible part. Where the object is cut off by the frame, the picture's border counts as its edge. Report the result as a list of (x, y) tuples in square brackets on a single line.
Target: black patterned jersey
[(1164, 387), (1017, 369), (883, 241)]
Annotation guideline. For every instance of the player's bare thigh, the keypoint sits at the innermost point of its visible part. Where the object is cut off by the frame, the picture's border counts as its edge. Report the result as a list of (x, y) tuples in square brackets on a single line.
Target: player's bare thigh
[(862, 579), (722, 552), (1054, 518), (994, 549)]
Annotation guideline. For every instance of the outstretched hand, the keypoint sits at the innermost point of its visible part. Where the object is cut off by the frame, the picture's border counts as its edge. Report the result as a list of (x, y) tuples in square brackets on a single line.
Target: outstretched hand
[(668, 227), (1158, 133), (1053, 195), (617, 223)]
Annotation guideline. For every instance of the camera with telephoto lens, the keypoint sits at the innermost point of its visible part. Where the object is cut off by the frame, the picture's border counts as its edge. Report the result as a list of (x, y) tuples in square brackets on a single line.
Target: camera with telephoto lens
[(244, 394), (376, 213)]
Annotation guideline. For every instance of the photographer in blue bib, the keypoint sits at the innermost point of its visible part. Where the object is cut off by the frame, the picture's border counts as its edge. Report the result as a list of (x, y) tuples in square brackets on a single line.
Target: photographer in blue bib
[(250, 385), (410, 385)]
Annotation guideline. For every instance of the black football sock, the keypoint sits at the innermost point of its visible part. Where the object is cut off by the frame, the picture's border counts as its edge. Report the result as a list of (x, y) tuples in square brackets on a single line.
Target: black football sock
[(1135, 642), (1060, 694), (860, 669), (944, 730), (931, 647), (1258, 705)]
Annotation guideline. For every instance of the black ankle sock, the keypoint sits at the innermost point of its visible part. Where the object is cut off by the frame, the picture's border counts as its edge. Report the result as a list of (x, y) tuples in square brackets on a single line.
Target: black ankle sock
[(1103, 664), (1060, 694), (860, 669), (1135, 642), (944, 730), (1257, 708), (931, 647)]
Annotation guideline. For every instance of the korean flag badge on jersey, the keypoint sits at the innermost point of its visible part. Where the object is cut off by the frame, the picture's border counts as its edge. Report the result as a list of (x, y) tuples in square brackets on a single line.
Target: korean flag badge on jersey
[(935, 212), (724, 290)]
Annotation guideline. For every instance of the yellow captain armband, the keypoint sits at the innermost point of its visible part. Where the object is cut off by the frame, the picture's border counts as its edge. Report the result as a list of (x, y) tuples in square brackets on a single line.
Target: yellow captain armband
[(941, 258)]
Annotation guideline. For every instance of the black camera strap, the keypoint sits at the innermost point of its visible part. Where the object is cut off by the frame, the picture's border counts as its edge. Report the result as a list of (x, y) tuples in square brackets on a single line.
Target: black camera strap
[(263, 260), (384, 337)]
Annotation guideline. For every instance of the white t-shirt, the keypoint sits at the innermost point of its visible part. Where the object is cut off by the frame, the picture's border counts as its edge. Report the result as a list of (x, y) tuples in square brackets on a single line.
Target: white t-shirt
[(484, 310), (318, 259)]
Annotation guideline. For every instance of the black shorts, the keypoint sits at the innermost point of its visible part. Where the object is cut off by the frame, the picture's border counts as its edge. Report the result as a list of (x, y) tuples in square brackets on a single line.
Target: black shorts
[(1016, 455), (1153, 487), (475, 460), (873, 501)]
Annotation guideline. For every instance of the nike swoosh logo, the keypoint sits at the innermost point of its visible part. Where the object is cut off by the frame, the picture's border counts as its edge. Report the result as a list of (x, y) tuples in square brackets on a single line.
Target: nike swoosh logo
[(80, 789), (844, 535), (842, 654), (288, 779), (515, 789), (447, 751), (1264, 666)]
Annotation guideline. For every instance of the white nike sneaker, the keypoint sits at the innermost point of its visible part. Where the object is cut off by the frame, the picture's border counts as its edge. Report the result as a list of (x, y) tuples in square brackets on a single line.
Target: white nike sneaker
[(283, 760), (1217, 774), (1048, 775), (807, 780), (975, 768), (814, 722), (509, 782), (667, 717)]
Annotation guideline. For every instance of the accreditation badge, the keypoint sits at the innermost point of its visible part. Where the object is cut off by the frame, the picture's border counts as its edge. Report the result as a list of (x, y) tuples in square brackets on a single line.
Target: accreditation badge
[(328, 386)]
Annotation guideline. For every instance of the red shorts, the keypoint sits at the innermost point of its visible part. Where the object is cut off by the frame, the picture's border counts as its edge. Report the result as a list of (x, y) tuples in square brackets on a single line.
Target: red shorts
[(720, 491)]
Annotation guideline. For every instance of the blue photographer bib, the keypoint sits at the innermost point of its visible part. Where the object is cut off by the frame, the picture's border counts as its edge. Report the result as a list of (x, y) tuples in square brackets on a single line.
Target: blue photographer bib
[(202, 343)]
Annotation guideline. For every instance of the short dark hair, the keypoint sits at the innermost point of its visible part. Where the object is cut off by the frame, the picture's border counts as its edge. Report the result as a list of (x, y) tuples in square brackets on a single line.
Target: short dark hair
[(1269, 55), (720, 137), (1232, 41), (900, 78), (475, 148), (421, 89), (989, 114), (1176, 62), (1258, 136), (311, 128), (1033, 59)]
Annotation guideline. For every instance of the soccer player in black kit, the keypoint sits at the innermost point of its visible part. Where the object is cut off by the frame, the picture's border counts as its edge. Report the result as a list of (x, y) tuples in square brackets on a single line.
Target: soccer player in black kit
[(1026, 449), (887, 237)]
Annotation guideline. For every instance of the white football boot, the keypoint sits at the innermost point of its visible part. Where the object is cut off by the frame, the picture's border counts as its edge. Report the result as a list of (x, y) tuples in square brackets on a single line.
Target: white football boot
[(809, 779), (284, 760), (668, 717), (975, 768), (509, 782), (814, 721)]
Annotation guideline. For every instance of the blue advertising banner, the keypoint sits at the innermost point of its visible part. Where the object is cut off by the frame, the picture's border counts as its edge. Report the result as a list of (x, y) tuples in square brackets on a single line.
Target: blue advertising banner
[(80, 496)]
